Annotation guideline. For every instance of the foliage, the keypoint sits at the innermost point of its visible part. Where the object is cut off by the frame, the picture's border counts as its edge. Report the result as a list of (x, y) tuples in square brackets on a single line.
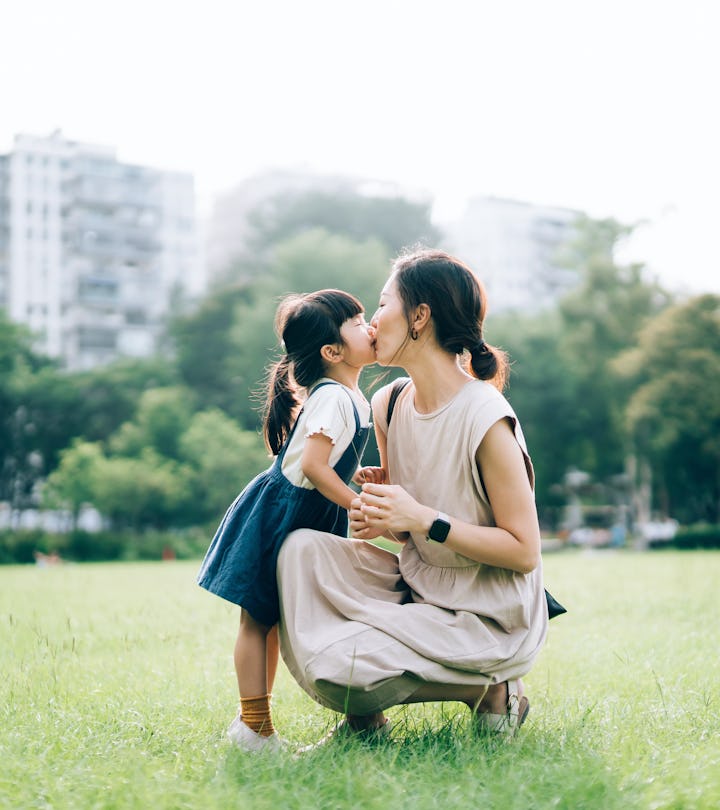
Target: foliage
[(109, 395), (562, 385), (42, 408), (162, 416), (673, 414), (697, 536), (204, 466), (600, 318), (203, 346), (394, 221), (222, 458), (20, 546), (20, 464), (544, 397), (72, 483), (129, 668), (138, 492)]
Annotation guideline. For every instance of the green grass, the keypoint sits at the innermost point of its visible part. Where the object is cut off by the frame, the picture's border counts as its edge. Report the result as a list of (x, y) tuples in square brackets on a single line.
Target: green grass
[(116, 686)]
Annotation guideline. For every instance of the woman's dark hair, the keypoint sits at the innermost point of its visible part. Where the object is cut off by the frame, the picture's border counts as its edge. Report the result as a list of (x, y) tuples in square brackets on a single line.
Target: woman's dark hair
[(457, 304), (304, 324)]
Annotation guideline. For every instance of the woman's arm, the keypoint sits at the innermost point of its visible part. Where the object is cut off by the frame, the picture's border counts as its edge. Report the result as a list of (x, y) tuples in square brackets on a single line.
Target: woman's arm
[(513, 543)]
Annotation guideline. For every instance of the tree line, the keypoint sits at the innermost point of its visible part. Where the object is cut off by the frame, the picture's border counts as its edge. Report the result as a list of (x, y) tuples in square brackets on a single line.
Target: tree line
[(620, 380)]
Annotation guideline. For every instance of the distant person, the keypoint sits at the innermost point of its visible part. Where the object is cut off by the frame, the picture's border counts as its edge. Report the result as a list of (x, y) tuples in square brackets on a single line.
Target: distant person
[(461, 614), (46, 560), (327, 343)]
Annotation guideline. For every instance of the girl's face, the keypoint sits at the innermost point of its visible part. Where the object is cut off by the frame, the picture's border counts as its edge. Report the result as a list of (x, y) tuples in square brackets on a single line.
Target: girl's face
[(390, 324), (357, 337)]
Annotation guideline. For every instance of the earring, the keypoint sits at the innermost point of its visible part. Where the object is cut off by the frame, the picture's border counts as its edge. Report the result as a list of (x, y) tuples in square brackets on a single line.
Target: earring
[(414, 334)]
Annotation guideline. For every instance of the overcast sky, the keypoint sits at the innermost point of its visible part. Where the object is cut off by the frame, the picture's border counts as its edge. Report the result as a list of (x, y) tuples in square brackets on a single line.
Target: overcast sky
[(609, 106)]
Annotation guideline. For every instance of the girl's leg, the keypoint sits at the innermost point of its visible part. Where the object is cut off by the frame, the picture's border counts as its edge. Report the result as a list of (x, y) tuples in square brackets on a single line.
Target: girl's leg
[(251, 657), (251, 669), (273, 654)]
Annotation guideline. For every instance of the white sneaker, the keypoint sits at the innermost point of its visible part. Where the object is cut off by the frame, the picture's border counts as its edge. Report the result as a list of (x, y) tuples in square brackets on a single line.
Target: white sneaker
[(248, 740)]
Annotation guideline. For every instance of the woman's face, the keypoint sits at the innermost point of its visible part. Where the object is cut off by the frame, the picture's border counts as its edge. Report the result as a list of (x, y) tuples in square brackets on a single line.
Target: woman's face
[(390, 324)]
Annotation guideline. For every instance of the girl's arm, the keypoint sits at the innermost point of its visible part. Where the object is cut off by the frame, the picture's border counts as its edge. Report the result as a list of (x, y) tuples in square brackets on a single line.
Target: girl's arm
[(514, 541), (358, 526), (316, 468)]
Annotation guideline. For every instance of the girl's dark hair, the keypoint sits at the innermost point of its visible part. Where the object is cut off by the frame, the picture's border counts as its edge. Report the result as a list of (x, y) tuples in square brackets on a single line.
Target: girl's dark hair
[(458, 307), (304, 324)]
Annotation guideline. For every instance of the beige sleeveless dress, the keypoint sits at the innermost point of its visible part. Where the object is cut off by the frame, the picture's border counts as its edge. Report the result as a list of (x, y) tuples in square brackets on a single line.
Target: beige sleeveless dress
[(361, 628)]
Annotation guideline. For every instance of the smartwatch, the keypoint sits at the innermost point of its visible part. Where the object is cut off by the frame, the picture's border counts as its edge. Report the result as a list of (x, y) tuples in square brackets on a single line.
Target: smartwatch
[(440, 528)]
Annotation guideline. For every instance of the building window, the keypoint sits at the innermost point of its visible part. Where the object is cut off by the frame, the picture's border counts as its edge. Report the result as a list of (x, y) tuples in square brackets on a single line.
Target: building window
[(93, 337), (135, 316)]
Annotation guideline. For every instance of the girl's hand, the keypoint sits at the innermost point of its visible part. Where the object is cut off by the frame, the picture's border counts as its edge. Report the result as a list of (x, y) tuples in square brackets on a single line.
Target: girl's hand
[(359, 527), (388, 507), (369, 475)]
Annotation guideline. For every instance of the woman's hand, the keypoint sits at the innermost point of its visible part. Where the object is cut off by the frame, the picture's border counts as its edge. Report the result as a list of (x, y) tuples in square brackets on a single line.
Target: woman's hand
[(389, 508), (369, 475)]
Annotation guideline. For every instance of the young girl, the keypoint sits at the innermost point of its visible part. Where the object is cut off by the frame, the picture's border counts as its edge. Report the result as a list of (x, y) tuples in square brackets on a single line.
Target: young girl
[(327, 343)]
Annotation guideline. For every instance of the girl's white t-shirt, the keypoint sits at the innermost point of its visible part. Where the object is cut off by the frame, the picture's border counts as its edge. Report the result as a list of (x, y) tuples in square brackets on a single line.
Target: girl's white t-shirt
[(329, 411)]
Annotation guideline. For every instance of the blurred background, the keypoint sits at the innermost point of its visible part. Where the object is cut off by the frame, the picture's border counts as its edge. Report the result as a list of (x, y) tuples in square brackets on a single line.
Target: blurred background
[(168, 171)]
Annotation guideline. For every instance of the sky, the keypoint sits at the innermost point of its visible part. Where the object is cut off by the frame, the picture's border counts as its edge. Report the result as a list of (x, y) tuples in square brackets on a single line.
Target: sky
[(606, 106)]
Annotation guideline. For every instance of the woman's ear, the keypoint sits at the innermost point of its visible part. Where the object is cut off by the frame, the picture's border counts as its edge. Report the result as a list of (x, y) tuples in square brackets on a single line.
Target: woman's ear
[(422, 316), (331, 352)]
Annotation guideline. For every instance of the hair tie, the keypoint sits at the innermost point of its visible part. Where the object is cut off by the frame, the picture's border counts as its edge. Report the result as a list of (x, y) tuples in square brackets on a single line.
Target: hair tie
[(479, 348)]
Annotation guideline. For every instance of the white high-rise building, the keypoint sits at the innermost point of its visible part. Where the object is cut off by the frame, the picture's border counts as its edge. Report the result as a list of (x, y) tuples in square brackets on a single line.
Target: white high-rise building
[(91, 249), (513, 247)]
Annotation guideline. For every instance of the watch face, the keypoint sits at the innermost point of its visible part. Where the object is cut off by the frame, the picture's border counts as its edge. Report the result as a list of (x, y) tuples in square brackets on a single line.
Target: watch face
[(439, 530)]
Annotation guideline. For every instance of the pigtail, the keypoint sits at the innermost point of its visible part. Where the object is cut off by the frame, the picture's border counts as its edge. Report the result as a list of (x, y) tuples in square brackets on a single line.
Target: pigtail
[(280, 406), (489, 363)]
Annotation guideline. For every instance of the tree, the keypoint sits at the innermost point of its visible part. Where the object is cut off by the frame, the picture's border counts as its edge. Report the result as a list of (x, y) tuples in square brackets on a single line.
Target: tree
[(601, 317), (203, 344), (109, 395), (163, 415), (562, 386), (222, 459), (143, 492), (72, 484), (544, 396), (673, 415), (394, 221), (21, 464)]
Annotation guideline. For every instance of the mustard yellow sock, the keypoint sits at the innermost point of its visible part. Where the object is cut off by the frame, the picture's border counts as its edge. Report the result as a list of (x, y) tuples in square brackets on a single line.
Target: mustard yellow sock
[(255, 713)]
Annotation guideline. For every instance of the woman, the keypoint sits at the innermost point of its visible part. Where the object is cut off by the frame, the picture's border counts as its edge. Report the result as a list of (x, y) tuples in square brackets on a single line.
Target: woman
[(461, 614)]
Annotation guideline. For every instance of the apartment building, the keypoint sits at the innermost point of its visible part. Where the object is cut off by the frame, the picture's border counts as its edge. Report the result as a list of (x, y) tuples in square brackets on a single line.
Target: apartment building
[(515, 248), (92, 250)]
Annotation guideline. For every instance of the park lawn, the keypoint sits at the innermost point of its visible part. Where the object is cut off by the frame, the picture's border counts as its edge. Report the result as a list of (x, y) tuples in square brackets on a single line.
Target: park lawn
[(117, 685)]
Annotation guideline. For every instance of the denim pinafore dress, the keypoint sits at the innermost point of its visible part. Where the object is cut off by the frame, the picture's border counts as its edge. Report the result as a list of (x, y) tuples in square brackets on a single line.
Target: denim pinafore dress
[(240, 564)]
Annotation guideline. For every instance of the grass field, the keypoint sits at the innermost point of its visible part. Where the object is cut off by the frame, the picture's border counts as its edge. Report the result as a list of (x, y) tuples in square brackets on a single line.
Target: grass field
[(117, 685)]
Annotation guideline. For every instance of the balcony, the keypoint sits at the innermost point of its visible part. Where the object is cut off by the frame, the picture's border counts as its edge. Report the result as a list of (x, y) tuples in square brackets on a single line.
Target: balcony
[(96, 290)]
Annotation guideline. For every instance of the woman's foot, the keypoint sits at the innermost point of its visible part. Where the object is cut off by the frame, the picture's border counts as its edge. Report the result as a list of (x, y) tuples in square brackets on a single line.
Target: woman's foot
[(503, 709), (367, 722), (368, 728)]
